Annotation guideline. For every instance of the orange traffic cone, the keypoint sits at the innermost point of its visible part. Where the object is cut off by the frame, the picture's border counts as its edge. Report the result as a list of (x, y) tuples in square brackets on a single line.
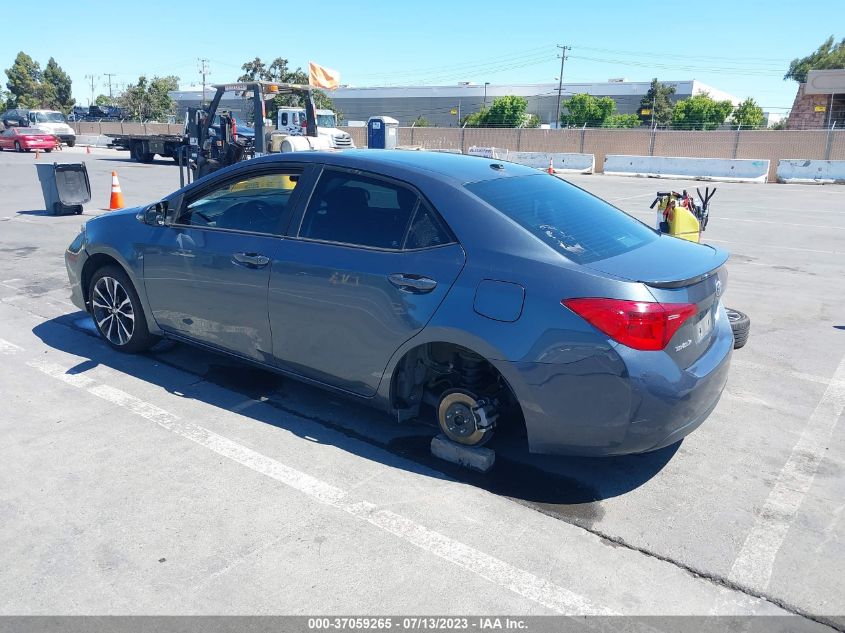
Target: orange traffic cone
[(551, 168), (116, 201)]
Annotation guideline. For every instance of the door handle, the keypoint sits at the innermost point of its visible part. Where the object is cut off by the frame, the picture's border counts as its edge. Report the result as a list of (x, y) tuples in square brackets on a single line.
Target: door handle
[(250, 260), (412, 283)]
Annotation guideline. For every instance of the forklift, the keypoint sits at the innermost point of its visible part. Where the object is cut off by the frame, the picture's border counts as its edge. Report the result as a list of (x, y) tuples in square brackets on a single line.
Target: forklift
[(210, 146)]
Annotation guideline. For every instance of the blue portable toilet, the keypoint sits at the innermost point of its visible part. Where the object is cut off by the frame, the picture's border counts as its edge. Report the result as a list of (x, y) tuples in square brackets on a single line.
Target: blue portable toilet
[(382, 132)]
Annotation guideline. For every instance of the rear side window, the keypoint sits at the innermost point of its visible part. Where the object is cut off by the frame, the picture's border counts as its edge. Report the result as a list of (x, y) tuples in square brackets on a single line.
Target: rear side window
[(427, 230), (358, 210), (578, 225)]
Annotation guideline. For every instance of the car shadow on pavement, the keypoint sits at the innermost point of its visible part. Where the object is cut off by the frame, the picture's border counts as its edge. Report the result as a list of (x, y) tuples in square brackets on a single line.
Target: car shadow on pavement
[(567, 487)]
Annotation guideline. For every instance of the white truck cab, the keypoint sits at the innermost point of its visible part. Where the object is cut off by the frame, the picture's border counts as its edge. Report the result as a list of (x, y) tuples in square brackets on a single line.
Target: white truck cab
[(54, 123), (292, 122)]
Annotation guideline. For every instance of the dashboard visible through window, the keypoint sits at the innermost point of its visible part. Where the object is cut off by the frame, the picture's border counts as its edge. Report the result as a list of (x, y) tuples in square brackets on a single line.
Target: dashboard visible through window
[(257, 204)]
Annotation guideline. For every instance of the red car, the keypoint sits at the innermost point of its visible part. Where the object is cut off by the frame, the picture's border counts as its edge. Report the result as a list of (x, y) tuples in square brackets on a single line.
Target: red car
[(27, 138)]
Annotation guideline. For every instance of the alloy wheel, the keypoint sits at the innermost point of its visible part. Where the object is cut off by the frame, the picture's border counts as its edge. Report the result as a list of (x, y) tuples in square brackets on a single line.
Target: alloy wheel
[(113, 311)]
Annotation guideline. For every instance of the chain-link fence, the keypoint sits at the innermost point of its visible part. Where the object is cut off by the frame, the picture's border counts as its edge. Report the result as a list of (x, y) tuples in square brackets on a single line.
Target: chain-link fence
[(773, 145)]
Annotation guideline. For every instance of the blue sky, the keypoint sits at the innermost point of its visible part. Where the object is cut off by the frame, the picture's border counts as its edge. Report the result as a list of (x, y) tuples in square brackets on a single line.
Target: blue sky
[(740, 47)]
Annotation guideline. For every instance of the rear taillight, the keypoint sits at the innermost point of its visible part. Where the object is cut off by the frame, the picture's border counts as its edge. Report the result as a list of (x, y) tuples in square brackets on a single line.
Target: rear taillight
[(640, 325)]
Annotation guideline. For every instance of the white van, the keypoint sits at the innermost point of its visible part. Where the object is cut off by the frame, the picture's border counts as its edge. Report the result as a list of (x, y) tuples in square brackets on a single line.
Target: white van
[(54, 123)]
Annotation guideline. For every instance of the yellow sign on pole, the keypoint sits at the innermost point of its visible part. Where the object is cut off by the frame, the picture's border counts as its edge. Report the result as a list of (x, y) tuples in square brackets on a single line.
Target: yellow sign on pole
[(645, 111), (820, 108), (453, 111)]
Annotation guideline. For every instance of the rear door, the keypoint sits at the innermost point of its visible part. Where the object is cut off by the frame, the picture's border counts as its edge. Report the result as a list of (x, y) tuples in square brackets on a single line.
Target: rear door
[(363, 271)]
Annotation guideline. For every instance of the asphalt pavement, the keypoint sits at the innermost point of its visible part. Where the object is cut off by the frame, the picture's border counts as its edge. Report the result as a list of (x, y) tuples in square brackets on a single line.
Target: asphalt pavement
[(179, 482)]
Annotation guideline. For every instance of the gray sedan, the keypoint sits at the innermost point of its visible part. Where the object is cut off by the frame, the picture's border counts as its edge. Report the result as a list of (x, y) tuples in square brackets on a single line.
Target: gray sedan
[(474, 292)]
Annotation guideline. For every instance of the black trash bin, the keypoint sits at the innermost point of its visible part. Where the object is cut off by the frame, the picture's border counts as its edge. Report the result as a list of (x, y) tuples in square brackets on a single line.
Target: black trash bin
[(65, 187)]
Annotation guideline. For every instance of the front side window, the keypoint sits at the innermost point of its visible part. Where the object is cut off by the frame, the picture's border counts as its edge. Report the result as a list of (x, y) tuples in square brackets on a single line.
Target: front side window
[(257, 204), (358, 210)]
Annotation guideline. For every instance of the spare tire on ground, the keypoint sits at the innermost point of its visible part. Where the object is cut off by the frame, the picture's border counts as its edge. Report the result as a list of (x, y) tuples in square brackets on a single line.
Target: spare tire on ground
[(740, 325)]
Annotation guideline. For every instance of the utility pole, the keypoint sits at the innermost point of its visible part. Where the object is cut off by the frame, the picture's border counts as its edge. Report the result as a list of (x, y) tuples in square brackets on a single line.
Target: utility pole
[(111, 96), (563, 50), (92, 78), (203, 70), (486, 83)]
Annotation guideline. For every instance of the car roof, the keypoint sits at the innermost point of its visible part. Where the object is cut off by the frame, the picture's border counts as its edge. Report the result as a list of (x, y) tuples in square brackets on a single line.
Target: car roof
[(455, 167)]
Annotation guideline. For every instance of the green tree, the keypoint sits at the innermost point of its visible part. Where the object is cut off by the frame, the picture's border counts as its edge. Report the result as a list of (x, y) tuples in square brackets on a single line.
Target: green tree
[(149, 100), (102, 100), (585, 109), (24, 82), (475, 119), (622, 120), (700, 112), (658, 101), (278, 71), (532, 120), (421, 121), (508, 111), (61, 86), (748, 114), (827, 56)]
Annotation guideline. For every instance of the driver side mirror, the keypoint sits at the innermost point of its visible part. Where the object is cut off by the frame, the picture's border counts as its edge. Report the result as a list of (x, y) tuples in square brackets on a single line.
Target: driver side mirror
[(155, 214)]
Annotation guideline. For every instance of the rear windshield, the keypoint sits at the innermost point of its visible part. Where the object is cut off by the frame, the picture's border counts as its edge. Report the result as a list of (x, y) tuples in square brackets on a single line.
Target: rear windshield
[(573, 222)]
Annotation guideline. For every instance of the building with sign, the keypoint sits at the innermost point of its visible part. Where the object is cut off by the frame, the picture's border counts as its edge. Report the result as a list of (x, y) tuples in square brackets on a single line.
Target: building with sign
[(819, 103)]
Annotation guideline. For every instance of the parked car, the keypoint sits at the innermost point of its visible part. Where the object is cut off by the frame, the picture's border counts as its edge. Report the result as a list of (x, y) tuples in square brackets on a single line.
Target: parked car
[(426, 284), (23, 139), (49, 121)]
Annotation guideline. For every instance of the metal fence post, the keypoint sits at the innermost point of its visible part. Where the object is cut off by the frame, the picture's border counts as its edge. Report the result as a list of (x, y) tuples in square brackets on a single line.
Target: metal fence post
[(829, 143), (651, 141), (463, 149), (518, 138), (583, 134), (736, 141), (412, 132)]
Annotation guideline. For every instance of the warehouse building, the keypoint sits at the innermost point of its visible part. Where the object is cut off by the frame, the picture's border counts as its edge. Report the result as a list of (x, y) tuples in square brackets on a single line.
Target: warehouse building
[(444, 106)]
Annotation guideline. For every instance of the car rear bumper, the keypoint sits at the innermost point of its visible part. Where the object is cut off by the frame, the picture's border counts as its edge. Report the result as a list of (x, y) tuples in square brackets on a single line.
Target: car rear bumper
[(633, 403)]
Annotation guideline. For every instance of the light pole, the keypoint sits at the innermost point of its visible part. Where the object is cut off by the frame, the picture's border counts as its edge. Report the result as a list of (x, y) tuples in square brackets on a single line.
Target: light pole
[(486, 83)]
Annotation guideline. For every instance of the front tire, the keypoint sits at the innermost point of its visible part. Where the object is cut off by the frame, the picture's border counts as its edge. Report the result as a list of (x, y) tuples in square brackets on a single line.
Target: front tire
[(18, 147), (71, 142), (117, 312)]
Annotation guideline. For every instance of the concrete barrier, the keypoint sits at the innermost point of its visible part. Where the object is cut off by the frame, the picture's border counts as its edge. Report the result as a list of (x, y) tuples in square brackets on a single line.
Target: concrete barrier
[(822, 172), (717, 169), (563, 163)]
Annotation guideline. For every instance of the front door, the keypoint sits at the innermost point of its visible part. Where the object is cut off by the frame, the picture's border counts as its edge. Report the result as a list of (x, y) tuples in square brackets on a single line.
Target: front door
[(206, 275), (368, 266)]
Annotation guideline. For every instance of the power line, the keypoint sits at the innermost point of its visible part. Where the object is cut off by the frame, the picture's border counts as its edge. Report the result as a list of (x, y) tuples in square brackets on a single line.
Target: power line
[(92, 78)]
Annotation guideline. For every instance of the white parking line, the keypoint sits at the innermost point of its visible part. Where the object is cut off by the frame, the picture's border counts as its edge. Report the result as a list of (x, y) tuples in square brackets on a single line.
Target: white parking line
[(783, 248), (7, 348), (488, 567), (753, 566)]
